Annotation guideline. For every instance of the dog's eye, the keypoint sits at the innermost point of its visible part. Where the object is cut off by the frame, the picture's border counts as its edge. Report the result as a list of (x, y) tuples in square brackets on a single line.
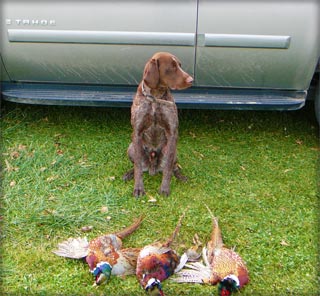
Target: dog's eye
[(174, 65), (170, 70)]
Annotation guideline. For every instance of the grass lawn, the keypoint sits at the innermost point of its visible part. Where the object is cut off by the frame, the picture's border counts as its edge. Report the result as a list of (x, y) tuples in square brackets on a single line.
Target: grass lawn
[(62, 170)]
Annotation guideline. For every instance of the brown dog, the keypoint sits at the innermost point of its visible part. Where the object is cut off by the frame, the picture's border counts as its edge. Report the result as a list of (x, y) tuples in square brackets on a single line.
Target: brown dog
[(154, 119)]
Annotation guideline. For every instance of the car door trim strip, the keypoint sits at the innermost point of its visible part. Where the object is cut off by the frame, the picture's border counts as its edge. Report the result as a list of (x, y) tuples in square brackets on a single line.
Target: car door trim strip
[(148, 38), (102, 37), (249, 41)]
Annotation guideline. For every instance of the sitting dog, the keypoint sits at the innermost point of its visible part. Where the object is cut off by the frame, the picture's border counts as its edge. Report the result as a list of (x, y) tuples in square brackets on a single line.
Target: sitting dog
[(154, 119)]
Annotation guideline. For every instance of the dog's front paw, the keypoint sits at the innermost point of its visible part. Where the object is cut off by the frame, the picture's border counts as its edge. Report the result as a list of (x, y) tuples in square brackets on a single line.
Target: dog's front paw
[(164, 190), (137, 192)]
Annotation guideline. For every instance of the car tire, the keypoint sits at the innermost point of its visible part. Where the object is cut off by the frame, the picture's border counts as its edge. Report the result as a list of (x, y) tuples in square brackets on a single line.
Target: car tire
[(317, 101)]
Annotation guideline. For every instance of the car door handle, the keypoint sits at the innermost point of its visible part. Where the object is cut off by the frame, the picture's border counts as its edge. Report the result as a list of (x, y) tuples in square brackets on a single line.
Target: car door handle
[(240, 40)]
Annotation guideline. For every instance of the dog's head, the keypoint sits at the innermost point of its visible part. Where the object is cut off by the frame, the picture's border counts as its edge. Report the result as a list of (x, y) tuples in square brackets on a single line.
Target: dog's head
[(164, 70)]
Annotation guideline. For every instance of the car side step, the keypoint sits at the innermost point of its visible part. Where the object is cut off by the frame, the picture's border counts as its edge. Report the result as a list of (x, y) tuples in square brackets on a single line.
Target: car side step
[(111, 96)]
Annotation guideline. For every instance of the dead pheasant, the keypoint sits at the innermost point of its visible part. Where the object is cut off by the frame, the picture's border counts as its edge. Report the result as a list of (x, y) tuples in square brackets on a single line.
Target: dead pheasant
[(157, 262), (103, 254), (223, 266)]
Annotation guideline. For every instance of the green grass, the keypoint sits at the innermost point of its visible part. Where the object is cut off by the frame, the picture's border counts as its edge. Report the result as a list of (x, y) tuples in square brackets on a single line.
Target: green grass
[(257, 172)]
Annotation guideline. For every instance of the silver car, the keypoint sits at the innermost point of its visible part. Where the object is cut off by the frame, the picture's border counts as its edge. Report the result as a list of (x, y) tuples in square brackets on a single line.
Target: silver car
[(242, 54)]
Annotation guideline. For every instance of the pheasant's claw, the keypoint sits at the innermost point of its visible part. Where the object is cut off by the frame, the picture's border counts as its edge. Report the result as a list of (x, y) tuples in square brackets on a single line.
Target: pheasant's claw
[(193, 254), (196, 240)]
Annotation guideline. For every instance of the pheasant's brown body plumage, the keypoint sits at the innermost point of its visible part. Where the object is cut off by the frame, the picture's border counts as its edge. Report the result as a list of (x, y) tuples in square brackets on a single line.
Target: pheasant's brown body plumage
[(224, 261), (104, 249), (157, 262), (220, 263), (107, 248)]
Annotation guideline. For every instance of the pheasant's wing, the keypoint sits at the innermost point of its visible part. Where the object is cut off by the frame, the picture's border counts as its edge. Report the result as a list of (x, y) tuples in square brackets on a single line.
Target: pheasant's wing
[(161, 250), (195, 272), (182, 262), (153, 249), (75, 248), (126, 261), (131, 255), (188, 276)]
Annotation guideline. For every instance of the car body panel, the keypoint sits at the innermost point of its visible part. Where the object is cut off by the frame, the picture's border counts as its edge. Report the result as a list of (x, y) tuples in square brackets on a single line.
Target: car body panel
[(258, 44), (259, 48), (3, 73), (98, 42)]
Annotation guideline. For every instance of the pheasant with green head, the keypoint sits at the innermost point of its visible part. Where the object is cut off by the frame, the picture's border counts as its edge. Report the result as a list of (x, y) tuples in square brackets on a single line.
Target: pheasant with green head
[(104, 254)]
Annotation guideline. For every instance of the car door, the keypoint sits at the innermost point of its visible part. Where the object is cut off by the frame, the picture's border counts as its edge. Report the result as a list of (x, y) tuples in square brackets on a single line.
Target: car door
[(94, 42), (257, 44)]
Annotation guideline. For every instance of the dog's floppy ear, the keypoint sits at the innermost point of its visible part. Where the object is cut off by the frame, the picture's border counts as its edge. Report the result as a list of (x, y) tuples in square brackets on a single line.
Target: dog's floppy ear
[(151, 74)]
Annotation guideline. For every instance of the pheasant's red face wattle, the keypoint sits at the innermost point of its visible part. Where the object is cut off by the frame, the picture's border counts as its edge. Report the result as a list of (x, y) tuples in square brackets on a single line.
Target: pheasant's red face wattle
[(92, 261), (225, 292)]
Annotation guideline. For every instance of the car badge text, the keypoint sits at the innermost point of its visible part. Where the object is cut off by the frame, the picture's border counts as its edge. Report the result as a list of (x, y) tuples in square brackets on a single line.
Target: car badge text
[(31, 22)]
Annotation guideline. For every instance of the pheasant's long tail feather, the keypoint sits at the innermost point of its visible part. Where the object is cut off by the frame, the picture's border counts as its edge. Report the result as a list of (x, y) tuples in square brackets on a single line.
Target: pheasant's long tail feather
[(74, 248), (176, 231), (216, 236), (131, 228)]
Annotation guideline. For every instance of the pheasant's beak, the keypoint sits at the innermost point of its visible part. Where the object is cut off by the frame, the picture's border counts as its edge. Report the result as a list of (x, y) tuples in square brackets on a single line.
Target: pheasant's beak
[(155, 292), (102, 278)]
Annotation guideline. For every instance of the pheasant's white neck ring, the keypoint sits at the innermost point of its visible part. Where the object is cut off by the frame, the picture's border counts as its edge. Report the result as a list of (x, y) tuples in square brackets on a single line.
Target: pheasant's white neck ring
[(234, 278), (153, 282)]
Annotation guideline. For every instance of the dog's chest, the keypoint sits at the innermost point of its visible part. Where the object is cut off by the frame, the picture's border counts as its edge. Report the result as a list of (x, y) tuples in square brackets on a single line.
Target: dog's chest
[(159, 120), (154, 137)]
